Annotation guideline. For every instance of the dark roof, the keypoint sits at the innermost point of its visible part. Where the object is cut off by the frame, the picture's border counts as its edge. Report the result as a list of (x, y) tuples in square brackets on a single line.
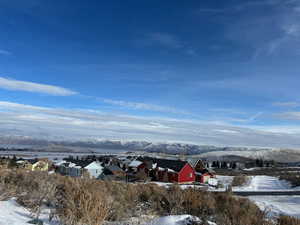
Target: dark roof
[(113, 168), (81, 163), (175, 165), (32, 161)]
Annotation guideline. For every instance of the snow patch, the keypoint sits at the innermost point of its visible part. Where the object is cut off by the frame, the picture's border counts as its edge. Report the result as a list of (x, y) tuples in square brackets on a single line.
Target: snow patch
[(176, 220)]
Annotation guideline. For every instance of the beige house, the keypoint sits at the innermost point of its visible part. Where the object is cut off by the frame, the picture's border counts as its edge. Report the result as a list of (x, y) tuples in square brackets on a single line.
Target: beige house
[(41, 165)]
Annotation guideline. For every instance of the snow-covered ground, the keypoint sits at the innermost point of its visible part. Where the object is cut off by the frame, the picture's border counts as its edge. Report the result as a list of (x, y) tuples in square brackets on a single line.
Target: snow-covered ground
[(258, 183), (11, 213), (277, 205), (266, 183), (175, 220), (225, 180)]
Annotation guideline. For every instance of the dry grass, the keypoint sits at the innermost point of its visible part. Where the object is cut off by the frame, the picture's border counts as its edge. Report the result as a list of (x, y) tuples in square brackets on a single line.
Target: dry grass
[(293, 178), (287, 220), (82, 201), (240, 180), (231, 210)]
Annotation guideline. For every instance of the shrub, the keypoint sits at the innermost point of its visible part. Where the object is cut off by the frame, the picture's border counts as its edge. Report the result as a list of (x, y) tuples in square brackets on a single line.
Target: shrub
[(82, 202), (89, 202), (199, 203), (287, 220), (240, 180), (231, 210), (293, 178)]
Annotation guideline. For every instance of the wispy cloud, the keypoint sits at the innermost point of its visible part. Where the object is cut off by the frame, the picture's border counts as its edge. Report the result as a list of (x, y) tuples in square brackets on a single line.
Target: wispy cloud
[(286, 104), (266, 26), (165, 40), (144, 106), (76, 124), (211, 10), (18, 85), (168, 41), (292, 115), (240, 7), (5, 52)]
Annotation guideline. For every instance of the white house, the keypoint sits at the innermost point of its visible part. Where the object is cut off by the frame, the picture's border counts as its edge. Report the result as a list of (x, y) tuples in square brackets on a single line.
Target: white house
[(95, 169)]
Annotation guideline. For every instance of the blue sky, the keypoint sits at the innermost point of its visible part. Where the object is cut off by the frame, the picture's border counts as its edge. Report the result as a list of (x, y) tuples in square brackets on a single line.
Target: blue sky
[(233, 64)]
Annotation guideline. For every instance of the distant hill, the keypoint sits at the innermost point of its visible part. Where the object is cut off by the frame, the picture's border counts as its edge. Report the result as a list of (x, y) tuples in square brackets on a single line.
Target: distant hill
[(205, 151)]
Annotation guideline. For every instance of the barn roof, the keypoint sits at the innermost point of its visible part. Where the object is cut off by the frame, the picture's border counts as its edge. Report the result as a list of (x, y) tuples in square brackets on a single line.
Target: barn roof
[(175, 165)]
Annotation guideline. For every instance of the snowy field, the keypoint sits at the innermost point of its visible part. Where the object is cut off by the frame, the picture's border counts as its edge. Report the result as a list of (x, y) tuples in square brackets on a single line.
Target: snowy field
[(13, 214), (225, 181), (277, 205), (266, 183), (258, 183)]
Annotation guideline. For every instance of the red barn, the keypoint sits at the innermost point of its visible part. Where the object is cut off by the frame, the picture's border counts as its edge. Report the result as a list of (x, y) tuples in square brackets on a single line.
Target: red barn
[(174, 171), (204, 176)]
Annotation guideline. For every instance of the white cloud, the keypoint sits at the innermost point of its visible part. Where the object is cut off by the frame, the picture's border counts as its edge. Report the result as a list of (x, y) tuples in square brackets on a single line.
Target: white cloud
[(10, 84), (72, 124), (144, 106), (286, 104), (5, 52), (274, 32)]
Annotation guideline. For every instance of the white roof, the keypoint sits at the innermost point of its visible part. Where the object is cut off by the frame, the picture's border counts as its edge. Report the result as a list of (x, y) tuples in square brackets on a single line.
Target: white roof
[(166, 169), (73, 165), (135, 163), (94, 165), (170, 170)]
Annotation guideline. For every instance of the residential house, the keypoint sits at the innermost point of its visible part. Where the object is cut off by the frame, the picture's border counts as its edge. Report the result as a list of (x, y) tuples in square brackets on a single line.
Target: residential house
[(24, 164), (113, 172), (136, 166), (178, 171), (197, 164), (72, 167), (94, 169), (40, 164), (202, 173), (203, 177)]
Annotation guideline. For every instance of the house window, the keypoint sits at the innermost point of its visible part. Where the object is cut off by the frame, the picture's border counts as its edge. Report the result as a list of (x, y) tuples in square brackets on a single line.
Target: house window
[(191, 175)]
